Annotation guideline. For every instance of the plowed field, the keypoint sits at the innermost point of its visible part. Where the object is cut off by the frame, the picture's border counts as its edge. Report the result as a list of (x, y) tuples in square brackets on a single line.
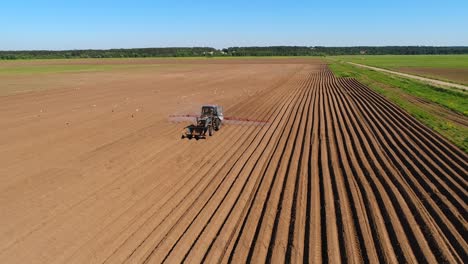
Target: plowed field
[(92, 171)]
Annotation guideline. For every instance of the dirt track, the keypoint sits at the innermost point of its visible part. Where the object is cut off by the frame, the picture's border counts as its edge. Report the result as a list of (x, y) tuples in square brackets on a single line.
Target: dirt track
[(339, 174)]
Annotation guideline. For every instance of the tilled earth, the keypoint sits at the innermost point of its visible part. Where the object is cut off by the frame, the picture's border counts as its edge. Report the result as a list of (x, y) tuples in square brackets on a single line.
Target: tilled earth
[(92, 171)]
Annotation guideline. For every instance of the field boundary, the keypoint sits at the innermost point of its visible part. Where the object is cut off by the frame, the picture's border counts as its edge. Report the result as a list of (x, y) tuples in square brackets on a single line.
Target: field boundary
[(415, 77)]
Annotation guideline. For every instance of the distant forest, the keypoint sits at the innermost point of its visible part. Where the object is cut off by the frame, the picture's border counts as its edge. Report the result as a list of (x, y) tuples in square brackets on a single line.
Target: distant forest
[(233, 51)]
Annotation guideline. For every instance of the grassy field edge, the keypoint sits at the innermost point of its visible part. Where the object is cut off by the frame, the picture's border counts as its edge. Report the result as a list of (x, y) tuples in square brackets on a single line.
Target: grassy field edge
[(395, 62)]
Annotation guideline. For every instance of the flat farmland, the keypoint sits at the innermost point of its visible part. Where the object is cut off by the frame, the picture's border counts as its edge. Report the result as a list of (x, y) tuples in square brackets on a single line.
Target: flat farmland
[(92, 171), (452, 68)]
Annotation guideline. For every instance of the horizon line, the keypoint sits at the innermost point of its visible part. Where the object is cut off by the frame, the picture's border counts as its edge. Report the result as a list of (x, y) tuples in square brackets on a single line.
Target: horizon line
[(254, 46)]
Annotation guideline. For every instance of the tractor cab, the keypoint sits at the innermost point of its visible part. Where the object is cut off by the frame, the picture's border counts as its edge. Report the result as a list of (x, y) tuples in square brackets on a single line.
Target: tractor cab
[(207, 110), (212, 110)]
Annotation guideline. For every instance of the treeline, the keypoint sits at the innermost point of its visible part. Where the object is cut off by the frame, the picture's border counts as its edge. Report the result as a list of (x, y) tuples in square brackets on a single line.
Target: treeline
[(110, 53), (233, 51), (328, 51)]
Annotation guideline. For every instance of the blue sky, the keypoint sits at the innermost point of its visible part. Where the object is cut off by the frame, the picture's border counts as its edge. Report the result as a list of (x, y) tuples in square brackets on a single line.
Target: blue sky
[(130, 24)]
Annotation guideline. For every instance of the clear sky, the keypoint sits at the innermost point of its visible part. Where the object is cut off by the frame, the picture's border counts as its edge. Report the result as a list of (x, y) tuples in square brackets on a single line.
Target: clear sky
[(132, 24)]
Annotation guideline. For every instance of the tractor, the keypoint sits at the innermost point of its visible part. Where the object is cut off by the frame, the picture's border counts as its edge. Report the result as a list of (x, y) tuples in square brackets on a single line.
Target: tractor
[(209, 121)]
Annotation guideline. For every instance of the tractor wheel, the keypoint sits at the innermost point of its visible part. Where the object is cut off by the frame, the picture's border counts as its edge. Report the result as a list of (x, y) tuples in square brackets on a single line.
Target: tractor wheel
[(210, 131), (217, 125)]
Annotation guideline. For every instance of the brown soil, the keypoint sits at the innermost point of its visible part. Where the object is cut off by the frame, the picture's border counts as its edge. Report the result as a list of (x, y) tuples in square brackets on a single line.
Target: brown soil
[(92, 172), (454, 75)]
